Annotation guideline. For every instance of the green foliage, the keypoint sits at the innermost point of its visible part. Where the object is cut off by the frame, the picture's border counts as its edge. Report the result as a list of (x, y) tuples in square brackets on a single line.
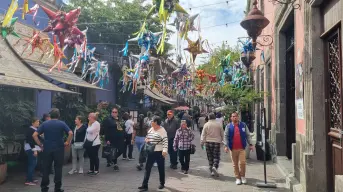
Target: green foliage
[(236, 98), (17, 109), (121, 20), (70, 105)]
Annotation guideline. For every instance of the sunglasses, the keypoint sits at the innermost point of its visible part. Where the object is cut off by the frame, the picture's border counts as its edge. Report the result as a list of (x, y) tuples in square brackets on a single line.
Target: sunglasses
[(114, 111)]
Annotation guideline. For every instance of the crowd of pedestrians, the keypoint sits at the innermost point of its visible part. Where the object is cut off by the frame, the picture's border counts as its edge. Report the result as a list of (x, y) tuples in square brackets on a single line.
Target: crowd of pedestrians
[(155, 139)]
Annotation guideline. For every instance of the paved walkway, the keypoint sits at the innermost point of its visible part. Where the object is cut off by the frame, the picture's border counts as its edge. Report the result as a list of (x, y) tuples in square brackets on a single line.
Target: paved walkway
[(128, 178)]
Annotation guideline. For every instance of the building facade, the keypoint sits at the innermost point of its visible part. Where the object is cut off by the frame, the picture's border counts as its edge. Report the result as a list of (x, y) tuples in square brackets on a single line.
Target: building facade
[(301, 74)]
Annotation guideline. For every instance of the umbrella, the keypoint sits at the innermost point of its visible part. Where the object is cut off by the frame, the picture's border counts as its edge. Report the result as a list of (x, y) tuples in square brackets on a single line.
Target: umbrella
[(182, 108)]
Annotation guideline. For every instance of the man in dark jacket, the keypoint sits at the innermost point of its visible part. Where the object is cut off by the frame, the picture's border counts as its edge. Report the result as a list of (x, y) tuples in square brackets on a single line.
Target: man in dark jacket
[(115, 136), (171, 124)]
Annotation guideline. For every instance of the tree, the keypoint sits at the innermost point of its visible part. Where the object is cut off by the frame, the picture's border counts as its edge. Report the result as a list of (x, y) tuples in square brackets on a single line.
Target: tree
[(235, 98), (123, 20)]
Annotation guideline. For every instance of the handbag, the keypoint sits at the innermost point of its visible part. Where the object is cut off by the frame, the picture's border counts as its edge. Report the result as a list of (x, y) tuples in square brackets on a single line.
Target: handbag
[(77, 145), (88, 143), (150, 147), (106, 151), (193, 149)]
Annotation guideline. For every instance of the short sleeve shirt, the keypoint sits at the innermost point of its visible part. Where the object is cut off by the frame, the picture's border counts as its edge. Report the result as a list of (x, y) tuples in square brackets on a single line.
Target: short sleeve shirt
[(53, 131)]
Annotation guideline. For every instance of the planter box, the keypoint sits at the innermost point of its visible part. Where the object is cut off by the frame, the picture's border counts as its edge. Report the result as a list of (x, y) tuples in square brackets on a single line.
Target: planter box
[(3, 172), (67, 154)]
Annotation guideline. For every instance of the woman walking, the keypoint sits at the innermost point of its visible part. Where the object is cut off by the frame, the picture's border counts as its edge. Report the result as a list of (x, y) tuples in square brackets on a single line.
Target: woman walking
[(92, 143), (157, 148), (32, 152), (138, 137), (182, 143), (77, 145), (212, 137)]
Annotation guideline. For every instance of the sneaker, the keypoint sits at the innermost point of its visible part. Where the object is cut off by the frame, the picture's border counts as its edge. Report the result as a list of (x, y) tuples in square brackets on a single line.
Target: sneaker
[(90, 172), (30, 183), (80, 171), (108, 165), (155, 164), (244, 180), (115, 167), (186, 172), (124, 158), (95, 173), (139, 167), (173, 166), (215, 171), (212, 173), (35, 180), (238, 182), (131, 159), (161, 187), (143, 188), (72, 171)]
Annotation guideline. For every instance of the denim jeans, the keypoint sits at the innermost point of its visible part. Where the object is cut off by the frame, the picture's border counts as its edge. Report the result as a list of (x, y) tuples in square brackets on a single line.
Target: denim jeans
[(78, 153), (31, 165), (139, 142)]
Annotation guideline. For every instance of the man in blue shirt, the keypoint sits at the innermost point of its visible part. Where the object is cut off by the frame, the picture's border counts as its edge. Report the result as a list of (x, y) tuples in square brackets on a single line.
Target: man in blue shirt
[(53, 148)]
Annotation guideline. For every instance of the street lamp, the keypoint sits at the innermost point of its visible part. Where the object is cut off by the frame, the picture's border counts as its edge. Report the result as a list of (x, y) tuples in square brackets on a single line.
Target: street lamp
[(254, 23)]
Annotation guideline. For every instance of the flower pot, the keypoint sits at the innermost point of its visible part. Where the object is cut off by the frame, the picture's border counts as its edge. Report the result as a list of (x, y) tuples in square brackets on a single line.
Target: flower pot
[(67, 154), (3, 172)]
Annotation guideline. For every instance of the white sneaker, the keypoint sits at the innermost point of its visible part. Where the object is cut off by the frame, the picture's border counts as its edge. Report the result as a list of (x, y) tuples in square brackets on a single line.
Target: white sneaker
[(244, 180), (215, 171), (72, 171), (155, 164), (80, 171), (238, 182), (212, 174)]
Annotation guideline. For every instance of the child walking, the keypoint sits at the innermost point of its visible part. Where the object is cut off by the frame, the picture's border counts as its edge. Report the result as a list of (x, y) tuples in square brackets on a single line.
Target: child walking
[(183, 142)]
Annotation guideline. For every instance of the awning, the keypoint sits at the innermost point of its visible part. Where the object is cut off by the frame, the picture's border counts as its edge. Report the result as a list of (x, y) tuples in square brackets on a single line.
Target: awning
[(15, 72), (162, 96), (147, 91), (35, 61)]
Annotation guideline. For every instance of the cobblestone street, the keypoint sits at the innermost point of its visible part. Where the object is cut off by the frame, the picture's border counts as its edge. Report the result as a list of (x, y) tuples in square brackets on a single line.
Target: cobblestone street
[(128, 178)]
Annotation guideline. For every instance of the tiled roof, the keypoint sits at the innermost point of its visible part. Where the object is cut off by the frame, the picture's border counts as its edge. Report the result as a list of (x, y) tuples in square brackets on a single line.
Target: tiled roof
[(36, 62), (13, 72)]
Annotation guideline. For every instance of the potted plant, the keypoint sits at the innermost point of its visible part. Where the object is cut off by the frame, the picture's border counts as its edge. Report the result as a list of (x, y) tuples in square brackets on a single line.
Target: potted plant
[(3, 165)]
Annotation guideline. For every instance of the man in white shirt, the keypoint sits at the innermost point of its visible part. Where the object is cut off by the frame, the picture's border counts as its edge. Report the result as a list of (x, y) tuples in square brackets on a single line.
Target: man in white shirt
[(128, 140)]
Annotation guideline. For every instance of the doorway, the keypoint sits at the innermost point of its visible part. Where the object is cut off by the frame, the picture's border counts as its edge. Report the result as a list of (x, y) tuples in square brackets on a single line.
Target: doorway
[(333, 76), (290, 90)]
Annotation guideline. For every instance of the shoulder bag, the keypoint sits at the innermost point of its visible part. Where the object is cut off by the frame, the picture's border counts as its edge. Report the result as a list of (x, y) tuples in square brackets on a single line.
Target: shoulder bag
[(77, 145), (88, 143), (150, 147)]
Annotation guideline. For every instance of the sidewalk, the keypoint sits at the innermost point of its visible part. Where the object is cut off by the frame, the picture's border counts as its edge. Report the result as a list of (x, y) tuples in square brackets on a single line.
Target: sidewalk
[(128, 178)]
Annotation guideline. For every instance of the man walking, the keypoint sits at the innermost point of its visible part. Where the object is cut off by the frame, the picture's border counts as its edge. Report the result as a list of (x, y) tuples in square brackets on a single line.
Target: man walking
[(201, 122), (212, 137), (237, 136), (114, 136), (53, 148), (171, 124)]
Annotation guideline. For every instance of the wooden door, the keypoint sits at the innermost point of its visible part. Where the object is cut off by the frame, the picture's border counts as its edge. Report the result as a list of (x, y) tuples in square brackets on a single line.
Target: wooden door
[(334, 103), (290, 91)]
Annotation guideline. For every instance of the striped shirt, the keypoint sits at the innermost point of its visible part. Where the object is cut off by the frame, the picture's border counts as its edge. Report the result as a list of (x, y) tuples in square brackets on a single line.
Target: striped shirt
[(159, 138), (183, 139)]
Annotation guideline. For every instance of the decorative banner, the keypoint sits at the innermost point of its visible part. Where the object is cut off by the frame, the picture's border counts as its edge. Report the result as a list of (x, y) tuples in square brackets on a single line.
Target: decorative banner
[(299, 90)]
